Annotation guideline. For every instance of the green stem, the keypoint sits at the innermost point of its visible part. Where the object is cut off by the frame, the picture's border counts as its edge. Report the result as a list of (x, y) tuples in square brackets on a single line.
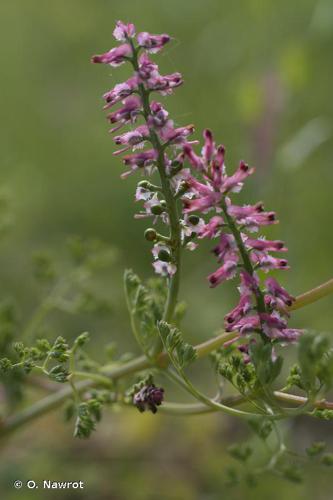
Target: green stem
[(313, 295), (172, 209), (245, 256), (55, 399)]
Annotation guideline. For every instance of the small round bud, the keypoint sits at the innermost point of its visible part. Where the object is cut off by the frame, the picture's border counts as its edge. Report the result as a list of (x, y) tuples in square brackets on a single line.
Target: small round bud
[(150, 234), (164, 255), (157, 209), (194, 220), (163, 203), (183, 187)]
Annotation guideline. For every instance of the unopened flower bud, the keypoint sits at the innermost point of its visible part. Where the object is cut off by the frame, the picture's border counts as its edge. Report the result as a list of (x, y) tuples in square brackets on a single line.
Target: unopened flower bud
[(183, 187), (164, 255), (150, 234), (148, 398), (157, 209), (194, 219)]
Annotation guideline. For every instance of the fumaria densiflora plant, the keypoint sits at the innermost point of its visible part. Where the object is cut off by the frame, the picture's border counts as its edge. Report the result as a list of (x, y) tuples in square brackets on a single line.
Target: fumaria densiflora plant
[(187, 194)]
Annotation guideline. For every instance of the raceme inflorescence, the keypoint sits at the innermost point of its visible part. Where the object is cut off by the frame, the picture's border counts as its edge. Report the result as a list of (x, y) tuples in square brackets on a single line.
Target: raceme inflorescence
[(195, 197), (188, 195)]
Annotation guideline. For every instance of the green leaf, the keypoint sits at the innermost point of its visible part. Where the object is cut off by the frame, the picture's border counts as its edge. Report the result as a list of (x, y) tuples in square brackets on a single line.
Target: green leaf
[(327, 459), (240, 452), (267, 369), (143, 308), (182, 352), (315, 449)]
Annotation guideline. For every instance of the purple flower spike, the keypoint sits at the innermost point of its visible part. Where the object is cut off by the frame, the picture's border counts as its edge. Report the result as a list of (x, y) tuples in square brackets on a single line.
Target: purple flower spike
[(199, 179)]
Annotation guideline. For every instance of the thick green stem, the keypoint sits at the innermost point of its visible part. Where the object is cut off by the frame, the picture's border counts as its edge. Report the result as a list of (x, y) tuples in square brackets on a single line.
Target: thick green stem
[(313, 295)]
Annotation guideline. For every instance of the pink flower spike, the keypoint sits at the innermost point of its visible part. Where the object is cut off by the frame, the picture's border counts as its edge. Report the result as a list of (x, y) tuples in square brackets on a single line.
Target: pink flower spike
[(123, 31), (152, 43), (115, 56)]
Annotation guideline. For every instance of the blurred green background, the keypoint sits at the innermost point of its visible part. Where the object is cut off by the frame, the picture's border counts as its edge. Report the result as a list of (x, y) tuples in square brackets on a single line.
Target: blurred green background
[(260, 75)]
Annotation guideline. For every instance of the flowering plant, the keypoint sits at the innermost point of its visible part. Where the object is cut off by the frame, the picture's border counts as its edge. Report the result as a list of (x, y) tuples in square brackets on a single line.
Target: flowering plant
[(188, 195)]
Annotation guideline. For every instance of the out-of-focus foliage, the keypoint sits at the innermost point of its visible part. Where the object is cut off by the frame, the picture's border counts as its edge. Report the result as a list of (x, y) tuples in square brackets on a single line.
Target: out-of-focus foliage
[(260, 75)]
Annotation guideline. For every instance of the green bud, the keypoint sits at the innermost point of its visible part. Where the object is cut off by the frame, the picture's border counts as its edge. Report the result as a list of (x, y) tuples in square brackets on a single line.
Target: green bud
[(240, 452), (5, 365), (43, 345), (323, 413), (19, 348), (164, 255), (82, 339), (157, 209), (176, 166), (183, 187), (315, 448), (59, 374), (194, 219), (150, 234)]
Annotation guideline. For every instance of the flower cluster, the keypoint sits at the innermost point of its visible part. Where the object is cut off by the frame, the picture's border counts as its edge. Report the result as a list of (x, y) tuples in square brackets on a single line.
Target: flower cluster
[(202, 185), (158, 131), (260, 309)]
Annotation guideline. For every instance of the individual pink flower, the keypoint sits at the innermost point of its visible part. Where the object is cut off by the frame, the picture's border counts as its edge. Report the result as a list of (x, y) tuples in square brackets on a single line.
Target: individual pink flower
[(132, 138), (262, 244), (249, 283), (127, 113), (267, 262), (115, 56), (152, 43), (242, 308), (276, 291), (235, 182), (139, 160), (226, 272), (123, 31), (212, 228), (120, 91), (225, 246), (246, 325)]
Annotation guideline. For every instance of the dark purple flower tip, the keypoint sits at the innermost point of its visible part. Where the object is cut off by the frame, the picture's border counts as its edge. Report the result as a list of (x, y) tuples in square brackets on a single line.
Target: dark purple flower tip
[(148, 398), (243, 166)]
